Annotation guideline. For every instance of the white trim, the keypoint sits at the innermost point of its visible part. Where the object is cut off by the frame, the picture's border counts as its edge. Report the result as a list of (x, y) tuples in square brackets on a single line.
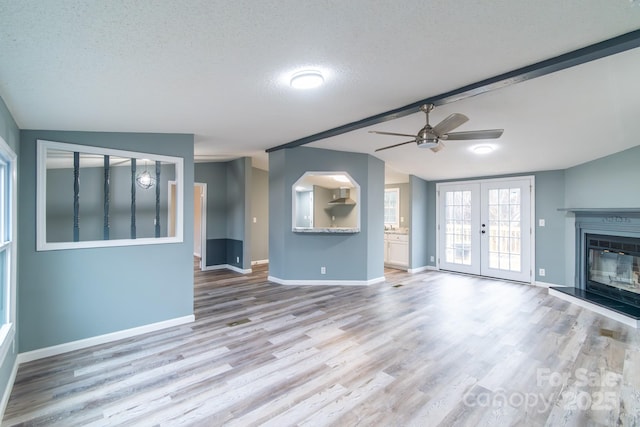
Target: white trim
[(41, 197), (227, 267), (635, 323), (547, 285), (316, 229), (30, 356), (260, 261), (396, 190), (419, 269), (6, 394), (7, 339), (325, 282), (203, 222)]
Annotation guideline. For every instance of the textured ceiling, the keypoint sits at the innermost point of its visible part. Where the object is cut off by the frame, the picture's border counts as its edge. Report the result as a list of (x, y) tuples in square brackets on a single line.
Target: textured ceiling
[(219, 69)]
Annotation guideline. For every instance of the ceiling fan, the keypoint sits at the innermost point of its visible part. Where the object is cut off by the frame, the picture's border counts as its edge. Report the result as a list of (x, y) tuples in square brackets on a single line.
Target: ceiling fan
[(432, 137)]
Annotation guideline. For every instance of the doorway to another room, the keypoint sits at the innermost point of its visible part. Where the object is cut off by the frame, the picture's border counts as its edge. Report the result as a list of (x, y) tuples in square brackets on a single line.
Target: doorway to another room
[(200, 224)]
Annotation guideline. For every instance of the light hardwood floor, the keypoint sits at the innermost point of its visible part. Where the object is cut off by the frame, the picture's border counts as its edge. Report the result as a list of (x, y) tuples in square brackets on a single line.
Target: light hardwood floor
[(426, 349)]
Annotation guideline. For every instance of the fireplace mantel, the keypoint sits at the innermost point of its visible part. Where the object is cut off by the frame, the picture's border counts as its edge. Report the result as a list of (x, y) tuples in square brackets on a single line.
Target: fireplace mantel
[(601, 211)]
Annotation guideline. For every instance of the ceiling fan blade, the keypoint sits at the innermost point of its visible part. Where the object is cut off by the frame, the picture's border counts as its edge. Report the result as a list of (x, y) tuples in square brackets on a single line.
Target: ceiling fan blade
[(474, 134), (395, 145), (450, 123), (392, 133), (438, 147)]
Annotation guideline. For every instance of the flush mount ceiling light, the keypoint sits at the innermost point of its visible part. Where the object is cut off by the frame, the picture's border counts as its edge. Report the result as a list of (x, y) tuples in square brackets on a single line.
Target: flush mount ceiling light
[(482, 149), (307, 79)]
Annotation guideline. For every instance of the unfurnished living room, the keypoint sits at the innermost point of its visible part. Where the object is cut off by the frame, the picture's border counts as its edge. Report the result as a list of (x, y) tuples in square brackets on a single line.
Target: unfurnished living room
[(321, 213)]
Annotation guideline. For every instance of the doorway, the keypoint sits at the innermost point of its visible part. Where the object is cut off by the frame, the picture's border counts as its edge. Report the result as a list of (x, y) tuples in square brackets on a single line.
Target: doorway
[(200, 222), (484, 227)]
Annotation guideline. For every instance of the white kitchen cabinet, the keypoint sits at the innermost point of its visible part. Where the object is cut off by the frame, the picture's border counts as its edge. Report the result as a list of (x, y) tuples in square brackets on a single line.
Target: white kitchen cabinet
[(396, 250)]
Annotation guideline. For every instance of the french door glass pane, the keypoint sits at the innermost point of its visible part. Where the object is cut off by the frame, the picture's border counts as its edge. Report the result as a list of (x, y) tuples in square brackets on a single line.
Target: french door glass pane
[(504, 229), (458, 227)]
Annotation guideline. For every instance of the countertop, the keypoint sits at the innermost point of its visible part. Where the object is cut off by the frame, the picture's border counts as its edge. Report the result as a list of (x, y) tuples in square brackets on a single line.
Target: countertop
[(342, 230)]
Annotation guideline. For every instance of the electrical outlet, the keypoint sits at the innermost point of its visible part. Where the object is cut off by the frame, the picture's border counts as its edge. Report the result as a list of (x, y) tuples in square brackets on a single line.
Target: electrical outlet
[(255, 220), (541, 222), (238, 259), (401, 219), (541, 272), (323, 270), (433, 259)]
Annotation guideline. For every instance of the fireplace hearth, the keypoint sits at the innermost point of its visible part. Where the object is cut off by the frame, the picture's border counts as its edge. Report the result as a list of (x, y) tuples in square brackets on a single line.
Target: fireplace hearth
[(607, 263)]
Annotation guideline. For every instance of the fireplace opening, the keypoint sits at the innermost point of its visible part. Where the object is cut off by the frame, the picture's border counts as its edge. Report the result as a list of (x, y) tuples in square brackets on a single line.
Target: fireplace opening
[(613, 267)]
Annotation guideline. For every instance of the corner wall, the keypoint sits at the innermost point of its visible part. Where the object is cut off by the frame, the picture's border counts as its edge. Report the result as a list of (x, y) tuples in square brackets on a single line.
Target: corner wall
[(418, 233), (82, 293), (347, 257)]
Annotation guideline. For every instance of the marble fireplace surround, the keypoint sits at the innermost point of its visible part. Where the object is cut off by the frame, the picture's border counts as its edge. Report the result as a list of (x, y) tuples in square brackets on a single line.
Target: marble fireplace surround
[(624, 222)]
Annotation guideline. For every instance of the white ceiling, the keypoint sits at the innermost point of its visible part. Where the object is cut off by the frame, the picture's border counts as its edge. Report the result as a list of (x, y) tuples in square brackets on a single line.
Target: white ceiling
[(220, 69)]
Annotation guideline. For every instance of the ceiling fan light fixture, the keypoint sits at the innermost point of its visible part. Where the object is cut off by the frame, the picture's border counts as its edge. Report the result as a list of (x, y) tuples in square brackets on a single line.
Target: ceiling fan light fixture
[(426, 138), (307, 79), (427, 143), (482, 149)]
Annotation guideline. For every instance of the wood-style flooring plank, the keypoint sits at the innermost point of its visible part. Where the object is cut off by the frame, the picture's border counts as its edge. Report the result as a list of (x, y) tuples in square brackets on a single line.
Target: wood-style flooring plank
[(440, 349)]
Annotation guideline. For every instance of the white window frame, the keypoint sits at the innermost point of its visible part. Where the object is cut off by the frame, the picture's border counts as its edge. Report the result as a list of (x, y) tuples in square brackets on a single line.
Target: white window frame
[(41, 199), (396, 223), (9, 244)]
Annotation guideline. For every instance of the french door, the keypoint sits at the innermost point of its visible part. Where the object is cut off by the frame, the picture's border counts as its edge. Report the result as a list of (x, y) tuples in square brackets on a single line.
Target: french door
[(484, 227)]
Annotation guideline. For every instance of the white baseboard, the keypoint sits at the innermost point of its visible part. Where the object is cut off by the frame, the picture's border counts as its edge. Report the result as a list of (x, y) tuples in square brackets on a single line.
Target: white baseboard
[(7, 390), (101, 339), (421, 269), (547, 285), (614, 315), (227, 267), (325, 282), (260, 261)]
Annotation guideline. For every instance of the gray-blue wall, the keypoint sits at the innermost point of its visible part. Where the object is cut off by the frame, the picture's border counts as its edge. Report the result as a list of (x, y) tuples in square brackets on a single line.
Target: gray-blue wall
[(68, 295), (609, 182), (419, 213), (11, 134), (299, 256)]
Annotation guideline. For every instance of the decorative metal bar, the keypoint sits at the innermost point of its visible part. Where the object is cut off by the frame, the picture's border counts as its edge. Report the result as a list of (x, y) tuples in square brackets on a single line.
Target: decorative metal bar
[(107, 183), (76, 196), (158, 166), (133, 198)]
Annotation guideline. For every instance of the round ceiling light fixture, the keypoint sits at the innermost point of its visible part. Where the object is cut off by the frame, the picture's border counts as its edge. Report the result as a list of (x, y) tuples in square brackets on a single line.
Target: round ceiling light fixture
[(307, 79), (482, 149)]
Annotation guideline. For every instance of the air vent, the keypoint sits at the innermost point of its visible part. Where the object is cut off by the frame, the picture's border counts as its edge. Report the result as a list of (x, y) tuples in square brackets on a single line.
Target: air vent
[(238, 322)]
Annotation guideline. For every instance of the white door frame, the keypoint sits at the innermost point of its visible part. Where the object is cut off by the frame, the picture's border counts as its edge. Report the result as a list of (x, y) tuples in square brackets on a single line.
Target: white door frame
[(532, 242), (203, 223)]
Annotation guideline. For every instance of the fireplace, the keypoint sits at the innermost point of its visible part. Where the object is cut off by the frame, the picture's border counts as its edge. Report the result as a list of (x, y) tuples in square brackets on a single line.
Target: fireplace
[(607, 263), (613, 267)]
